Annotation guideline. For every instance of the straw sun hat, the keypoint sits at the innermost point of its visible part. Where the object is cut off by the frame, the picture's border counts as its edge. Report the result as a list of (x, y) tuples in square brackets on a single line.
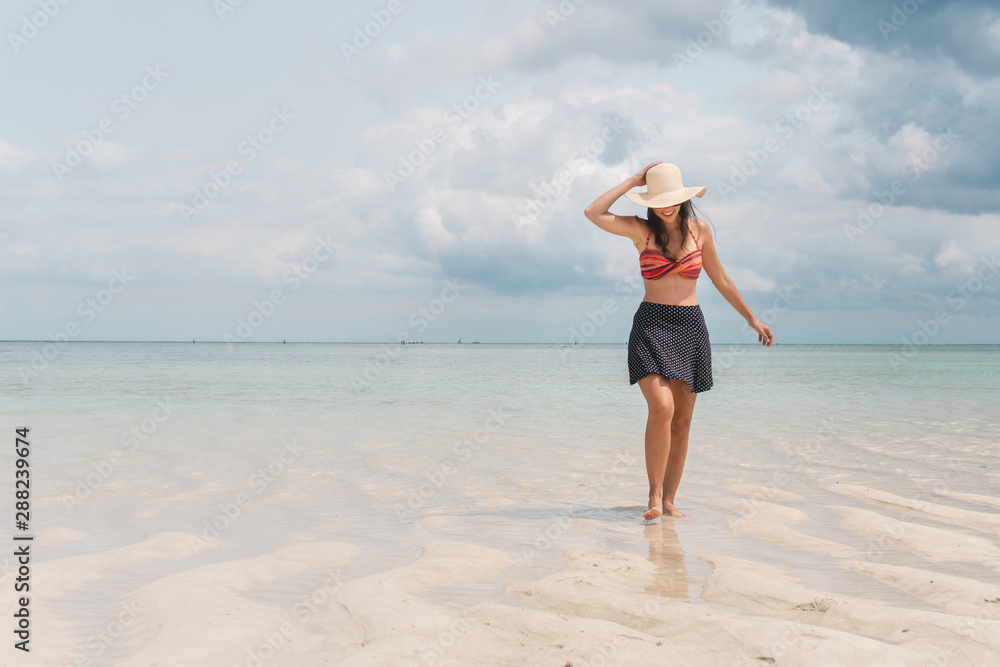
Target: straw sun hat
[(664, 188)]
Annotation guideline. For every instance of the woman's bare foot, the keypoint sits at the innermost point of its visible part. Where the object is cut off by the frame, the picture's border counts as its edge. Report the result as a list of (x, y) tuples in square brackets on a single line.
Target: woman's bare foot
[(654, 510), (669, 509)]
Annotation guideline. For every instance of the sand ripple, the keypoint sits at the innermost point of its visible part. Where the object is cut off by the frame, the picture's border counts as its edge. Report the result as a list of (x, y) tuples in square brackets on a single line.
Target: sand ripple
[(981, 521), (603, 606)]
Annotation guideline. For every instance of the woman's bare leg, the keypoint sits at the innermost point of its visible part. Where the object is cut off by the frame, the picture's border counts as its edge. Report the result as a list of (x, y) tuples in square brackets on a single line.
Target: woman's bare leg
[(680, 428), (660, 400)]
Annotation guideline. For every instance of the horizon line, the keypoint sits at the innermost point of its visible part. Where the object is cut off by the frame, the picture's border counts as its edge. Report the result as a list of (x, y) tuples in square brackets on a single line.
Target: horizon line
[(321, 342)]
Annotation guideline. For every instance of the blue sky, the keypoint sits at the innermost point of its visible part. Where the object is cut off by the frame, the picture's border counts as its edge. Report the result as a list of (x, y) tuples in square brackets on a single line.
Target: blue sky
[(214, 171)]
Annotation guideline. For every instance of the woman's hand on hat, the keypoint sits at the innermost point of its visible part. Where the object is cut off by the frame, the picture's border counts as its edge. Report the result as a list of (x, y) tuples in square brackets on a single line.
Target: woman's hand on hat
[(639, 179), (764, 335)]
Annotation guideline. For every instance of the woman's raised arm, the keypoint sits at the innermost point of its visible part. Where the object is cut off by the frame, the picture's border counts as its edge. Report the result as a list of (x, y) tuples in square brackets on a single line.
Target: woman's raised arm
[(598, 213)]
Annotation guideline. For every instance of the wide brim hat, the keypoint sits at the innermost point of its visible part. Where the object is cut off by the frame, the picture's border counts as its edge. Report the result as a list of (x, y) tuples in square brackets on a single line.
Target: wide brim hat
[(664, 188)]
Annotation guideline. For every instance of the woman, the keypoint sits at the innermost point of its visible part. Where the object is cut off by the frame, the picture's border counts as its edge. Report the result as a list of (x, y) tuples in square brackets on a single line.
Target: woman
[(669, 355)]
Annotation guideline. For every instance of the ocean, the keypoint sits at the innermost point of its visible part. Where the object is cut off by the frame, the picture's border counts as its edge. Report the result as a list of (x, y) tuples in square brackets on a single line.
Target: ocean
[(385, 446)]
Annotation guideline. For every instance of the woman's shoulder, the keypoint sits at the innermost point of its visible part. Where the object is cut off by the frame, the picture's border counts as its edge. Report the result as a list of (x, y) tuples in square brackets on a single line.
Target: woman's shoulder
[(699, 229)]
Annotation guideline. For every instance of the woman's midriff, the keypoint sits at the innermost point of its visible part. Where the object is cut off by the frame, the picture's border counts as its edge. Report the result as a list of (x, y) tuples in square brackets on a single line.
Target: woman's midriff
[(671, 291)]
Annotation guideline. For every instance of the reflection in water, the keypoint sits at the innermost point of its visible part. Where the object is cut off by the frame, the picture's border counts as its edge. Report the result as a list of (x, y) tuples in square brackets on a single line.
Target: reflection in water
[(665, 552)]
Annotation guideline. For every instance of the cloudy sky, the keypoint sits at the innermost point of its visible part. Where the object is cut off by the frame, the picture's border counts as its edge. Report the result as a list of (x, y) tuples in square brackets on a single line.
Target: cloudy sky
[(363, 171)]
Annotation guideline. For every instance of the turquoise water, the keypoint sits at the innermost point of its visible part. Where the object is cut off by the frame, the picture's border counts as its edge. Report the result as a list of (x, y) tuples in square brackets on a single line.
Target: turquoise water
[(497, 443)]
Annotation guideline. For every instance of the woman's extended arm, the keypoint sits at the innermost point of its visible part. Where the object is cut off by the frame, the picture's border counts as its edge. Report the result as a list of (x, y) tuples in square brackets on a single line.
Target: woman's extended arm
[(713, 267), (598, 213)]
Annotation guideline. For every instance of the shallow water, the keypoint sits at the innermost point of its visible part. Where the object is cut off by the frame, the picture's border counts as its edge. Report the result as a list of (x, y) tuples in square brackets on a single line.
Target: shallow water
[(384, 447)]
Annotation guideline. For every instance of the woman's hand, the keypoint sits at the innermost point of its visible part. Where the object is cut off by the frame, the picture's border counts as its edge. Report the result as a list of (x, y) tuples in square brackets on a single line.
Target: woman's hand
[(639, 179), (764, 334)]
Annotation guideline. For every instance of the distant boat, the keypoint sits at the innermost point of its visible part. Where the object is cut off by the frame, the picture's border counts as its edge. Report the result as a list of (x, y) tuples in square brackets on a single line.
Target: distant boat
[(459, 340)]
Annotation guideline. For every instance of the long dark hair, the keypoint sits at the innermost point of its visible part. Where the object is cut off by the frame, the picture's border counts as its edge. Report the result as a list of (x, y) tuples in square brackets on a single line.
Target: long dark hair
[(659, 228)]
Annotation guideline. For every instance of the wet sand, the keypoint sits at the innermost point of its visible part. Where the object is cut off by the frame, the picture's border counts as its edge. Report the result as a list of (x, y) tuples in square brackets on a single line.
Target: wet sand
[(599, 607)]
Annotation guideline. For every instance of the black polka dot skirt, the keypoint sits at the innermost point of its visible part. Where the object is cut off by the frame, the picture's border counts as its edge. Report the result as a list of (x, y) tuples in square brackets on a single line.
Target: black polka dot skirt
[(672, 341)]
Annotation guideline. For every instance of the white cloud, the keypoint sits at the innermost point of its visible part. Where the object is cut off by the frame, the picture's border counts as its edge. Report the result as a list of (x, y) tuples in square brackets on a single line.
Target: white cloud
[(431, 225), (906, 145), (13, 158), (111, 154), (453, 216), (952, 255), (178, 156), (776, 89), (750, 281), (910, 265)]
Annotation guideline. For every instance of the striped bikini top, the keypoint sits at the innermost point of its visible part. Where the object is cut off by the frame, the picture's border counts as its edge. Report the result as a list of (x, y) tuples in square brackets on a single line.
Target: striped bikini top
[(655, 265)]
